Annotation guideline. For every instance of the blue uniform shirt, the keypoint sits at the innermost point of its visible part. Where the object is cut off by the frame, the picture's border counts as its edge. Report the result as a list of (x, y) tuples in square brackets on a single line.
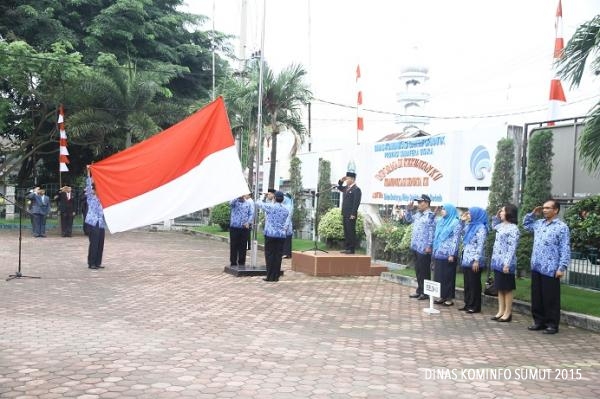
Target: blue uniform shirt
[(551, 245), (242, 212), (505, 245), (449, 247), (474, 250), (423, 229), (95, 214), (276, 216)]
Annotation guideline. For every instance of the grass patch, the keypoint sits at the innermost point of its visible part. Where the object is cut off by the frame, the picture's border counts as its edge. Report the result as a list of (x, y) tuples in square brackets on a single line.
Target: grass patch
[(297, 243), (573, 299)]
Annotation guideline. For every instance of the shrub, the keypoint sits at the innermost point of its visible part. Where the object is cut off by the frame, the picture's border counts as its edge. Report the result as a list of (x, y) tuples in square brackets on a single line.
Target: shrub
[(583, 218), (393, 242), (332, 231), (221, 215)]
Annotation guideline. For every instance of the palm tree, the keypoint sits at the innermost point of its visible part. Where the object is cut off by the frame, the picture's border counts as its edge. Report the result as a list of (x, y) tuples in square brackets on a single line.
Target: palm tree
[(585, 43), (283, 97), (119, 107)]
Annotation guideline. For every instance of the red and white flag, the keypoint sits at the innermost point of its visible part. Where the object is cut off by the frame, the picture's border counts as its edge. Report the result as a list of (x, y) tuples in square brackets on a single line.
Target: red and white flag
[(63, 153), (190, 166)]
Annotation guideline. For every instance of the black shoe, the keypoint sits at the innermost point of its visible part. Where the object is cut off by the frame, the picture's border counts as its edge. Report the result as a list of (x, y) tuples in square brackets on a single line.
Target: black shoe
[(471, 311), (439, 301), (423, 297), (536, 327), (550, 330), (495, 318), (507, 320), (99, 267), (463, 309), (448, 303), (414, 295), (92, 267)]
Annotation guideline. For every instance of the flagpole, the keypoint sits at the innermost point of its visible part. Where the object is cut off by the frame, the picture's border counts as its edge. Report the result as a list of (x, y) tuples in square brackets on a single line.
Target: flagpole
[(259, 129)]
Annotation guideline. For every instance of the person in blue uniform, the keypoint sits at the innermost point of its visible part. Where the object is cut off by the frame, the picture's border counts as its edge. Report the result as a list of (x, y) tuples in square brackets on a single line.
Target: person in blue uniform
[(473, 256), (276, 219), (94, 219), (242, 216), (421, 242), (550, 257)]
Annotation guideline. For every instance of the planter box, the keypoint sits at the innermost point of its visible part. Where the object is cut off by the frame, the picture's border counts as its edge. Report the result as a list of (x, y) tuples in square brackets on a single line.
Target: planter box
[(316, 263)]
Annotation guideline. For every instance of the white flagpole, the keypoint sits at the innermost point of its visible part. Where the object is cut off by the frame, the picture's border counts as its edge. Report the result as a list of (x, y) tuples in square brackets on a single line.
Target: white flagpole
[(259, 129)]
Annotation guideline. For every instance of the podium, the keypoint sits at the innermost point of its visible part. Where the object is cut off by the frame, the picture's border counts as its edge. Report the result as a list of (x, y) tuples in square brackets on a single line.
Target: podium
[(334, 264)]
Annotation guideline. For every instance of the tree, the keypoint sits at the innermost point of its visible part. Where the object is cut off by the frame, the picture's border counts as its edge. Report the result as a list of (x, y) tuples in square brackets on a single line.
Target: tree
[(119, 106), (299, 216), (538, 186), (283, 96), (32, 84), (503, 177), (324, 202), (584, 44)]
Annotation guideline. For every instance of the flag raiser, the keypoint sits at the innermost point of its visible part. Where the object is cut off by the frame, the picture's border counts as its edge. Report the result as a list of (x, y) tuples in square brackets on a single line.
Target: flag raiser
[(190, 166)]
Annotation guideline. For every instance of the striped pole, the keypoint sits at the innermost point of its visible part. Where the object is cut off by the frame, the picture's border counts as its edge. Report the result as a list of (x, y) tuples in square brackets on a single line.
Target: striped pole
[(359, 100), (63, 153), (557, 95)]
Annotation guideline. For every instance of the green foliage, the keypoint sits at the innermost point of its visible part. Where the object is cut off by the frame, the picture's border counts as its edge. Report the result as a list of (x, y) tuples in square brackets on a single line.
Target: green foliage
[(538, 186), (392, 242), (221, 215), (583, 218), (299, 216), (331, 229), (524, 253), (324, 203), (501, 189)]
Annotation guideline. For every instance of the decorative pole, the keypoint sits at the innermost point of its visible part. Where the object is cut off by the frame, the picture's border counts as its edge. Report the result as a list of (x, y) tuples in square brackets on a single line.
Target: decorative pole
[(557, 95), (63, 153), (359, 100)]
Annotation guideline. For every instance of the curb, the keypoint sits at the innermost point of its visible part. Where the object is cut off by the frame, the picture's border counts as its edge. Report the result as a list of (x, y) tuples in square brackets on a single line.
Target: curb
[(573, 319)]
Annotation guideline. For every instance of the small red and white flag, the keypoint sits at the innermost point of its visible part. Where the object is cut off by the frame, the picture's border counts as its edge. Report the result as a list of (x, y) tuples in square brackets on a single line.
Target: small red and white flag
[(190, 166), (63, 153), (360, 123), (557, 95)]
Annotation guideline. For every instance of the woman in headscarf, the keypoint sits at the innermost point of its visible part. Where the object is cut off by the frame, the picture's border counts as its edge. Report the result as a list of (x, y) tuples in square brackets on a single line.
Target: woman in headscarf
[(445, 250), (504, 259), (473, 256)]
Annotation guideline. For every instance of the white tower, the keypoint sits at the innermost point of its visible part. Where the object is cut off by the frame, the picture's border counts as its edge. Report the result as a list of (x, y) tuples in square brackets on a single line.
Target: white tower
[(413, 95)]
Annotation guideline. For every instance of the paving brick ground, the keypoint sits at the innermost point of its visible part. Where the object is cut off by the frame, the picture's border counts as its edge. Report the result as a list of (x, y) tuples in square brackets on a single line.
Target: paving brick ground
[(164, 321)]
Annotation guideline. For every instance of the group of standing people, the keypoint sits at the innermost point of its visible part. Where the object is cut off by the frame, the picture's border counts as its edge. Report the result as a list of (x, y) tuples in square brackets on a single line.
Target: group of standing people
[(278, 230), (442, 242)]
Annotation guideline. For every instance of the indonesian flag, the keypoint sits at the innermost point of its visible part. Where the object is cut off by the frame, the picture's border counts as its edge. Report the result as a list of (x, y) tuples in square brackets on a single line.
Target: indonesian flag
[(63, 153), (360, 124), (190, 166), (557, 95)]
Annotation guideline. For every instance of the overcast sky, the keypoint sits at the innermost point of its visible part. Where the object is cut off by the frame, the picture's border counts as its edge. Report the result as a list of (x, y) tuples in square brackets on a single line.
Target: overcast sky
[(484, 57)]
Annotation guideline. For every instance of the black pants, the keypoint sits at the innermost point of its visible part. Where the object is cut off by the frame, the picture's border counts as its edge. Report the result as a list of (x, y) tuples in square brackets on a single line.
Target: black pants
[(96, 248), (445, 274), (349, 233), (545, 300), (273, 253), (238, 242), (472, 289), (287, 246), (422, 270), (66, 224)]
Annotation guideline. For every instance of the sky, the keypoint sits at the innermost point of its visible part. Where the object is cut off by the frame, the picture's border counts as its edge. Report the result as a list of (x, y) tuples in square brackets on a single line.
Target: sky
[(485, 58)]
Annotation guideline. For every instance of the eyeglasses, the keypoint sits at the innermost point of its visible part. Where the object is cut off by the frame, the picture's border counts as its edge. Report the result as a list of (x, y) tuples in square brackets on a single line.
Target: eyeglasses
[(548, 207)]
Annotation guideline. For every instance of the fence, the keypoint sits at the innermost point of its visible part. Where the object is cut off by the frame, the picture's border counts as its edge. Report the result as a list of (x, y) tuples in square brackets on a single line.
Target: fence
[(584, 270)]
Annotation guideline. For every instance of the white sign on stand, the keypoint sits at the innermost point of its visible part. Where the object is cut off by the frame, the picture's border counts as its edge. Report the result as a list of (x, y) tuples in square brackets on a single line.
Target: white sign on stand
[(433, 289)]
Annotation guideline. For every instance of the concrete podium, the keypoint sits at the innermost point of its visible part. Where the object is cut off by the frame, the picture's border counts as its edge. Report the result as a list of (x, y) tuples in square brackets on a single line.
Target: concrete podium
[(317, 263)]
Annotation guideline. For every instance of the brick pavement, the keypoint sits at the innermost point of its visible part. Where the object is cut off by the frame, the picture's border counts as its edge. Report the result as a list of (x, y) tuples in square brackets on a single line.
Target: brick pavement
[(164, 321)]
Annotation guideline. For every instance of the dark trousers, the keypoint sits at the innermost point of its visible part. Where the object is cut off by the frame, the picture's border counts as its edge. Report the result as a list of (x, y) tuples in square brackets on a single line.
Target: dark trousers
[(422, 270), (238, 242), (287, 246), (445, 274), (37, 224), (545, 300), (66, 224), (273, 253), (472, 289), (96, 247), (349, 233)]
